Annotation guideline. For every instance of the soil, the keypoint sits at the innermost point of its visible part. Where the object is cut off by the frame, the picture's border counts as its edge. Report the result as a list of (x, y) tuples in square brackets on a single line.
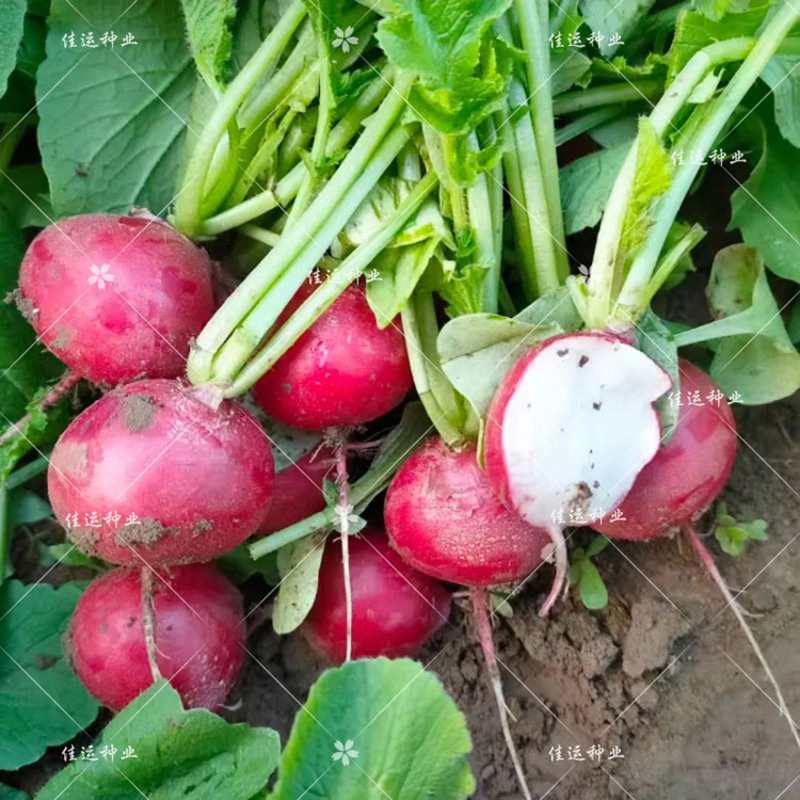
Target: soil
[(657, 674)]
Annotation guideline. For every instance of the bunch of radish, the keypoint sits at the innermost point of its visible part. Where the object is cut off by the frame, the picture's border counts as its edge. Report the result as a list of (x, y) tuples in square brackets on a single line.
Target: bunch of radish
[(168, 470)]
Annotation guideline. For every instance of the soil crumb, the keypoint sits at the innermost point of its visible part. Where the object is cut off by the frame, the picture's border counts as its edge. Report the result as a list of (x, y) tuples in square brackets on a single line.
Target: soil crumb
[(25, 306), (140, 410), (145, 531)]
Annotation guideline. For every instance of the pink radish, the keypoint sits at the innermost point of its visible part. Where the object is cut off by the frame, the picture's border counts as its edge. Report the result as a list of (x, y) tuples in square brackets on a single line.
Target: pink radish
[(570, 427), (395, 608), (116, 298), (685, 476), (687, 473), (192, 481), (343, 370), (297, 492), (444, 518), (197, 630)]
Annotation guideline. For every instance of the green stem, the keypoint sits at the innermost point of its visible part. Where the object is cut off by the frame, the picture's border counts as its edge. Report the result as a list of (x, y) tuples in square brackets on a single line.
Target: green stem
[(606, 259), (584, 123), (21, 476), (190, 199), (703, 139), (288, 187), (535, 40), (671, 260), (262, 235), (613, 94), (437, 394), (315, 305), (5, 534)]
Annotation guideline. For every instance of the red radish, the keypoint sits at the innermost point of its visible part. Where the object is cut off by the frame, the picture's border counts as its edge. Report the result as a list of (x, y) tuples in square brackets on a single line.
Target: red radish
[(297, 492), (198, 633), (198, 480), (116, 298), (343, 370), (570, 427), (685, 476), (444, 518), (395, 607), (688, 472)]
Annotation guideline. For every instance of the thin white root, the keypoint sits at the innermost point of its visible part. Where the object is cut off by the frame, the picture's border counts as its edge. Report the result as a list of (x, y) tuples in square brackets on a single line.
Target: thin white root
[(343, 484), (708, 563), (481, 611), (149, 622), (562, 566)]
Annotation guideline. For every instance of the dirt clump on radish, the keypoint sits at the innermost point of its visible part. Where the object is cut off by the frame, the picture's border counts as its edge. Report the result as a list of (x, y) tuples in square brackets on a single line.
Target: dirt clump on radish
[(139, 412), (116, 298), (189, 486), (344, 370), (396, 608), (197, 627)]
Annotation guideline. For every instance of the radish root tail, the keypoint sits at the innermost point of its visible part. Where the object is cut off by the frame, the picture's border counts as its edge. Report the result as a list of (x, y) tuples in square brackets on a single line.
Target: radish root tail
[(560, 581), (343, 485), (149, 621), (708, 563), (481, 612)]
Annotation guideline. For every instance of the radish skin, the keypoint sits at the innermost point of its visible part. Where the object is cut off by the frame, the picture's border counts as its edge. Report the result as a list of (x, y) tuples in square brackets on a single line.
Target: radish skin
[(343, 370), (396, 609), (153, 295), (198, 635), (197, 481)]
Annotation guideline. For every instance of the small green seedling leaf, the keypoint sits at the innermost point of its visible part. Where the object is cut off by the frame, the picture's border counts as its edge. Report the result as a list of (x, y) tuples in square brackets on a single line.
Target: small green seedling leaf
[(42, 702), (376, 728), (733, 536), (655, 339), (192, 755), (299, 565), (69, 556), (584, 574)]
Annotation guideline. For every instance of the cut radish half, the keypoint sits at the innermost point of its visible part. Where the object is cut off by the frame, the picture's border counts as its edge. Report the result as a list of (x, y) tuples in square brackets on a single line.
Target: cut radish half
[(572, 425)]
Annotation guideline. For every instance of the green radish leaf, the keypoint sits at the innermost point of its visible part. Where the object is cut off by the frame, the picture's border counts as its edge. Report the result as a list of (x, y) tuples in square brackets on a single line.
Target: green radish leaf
[(586, 184), (49, 704), (619, 68), (755, 358), (695, 30), (782, 75), (12, 23), (477, 350), (655, 340), (610, 16), (298, 564), (27, 196), (368, 732), (69, 555), (289, 445), (767, 208), (208, 25), (461, 66), (26, 507), (239, 566), (8, 793), (594, 594), (193, 755), (716, 9), (116, 140), (25, 366), (462, 288), (569, 67)]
